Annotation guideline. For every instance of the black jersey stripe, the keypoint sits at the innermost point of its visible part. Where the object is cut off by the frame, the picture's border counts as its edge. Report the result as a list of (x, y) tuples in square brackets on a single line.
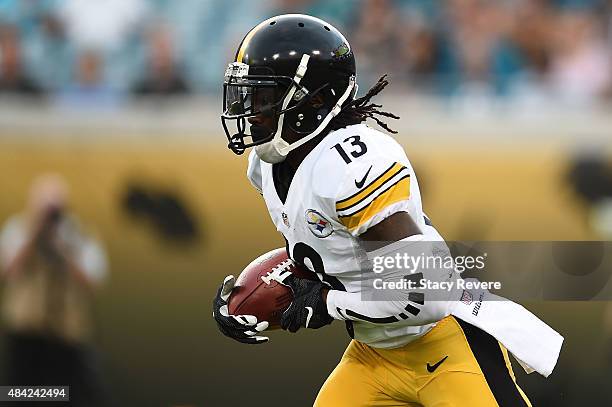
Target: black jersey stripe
[(412, 309), (490, 358), (374, 320)]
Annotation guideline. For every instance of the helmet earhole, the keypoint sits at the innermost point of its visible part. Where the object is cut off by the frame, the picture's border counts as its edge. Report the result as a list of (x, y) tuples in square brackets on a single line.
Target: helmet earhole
[(298, 124)]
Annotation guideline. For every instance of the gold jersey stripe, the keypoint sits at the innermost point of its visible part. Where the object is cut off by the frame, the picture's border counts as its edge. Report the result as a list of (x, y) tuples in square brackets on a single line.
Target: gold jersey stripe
[(365, 192), (400, 191), (247, 39)]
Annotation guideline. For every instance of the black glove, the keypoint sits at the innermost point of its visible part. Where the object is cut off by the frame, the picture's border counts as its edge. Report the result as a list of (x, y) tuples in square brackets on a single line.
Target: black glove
[(243, 328), (308, 309)]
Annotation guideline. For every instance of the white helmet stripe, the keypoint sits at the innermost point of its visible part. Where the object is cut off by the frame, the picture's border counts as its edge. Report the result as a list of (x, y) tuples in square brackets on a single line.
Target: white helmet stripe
[(299, 74)]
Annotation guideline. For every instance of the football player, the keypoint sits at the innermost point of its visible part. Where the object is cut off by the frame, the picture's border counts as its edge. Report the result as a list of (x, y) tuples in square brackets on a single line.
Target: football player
[(331, 184)]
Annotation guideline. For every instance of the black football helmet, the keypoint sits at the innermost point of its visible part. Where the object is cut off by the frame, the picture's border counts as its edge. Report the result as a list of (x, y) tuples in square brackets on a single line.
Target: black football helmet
[(280, 66)]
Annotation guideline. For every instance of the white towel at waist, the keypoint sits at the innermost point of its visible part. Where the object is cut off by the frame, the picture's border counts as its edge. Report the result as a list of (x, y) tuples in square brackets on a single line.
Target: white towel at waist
[(534, 344)]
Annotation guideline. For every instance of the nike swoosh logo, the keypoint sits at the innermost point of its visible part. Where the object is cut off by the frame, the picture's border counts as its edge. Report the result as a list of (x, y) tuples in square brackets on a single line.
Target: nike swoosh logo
[(310, 314), (360, 183), (432, 368)]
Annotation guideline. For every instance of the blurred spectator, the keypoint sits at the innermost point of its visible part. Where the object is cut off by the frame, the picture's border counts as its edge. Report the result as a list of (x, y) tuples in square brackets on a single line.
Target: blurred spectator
[(13, 78), (44, 46), (484, 57), (374, 39), (532, 34), (51, 269), (102, 25), (90, 90), (581, 68), (163, 77), (422, 54)]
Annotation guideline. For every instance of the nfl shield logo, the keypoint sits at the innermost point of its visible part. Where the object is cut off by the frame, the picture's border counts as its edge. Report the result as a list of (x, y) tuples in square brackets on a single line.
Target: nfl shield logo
[(285, 219), (467, 297)]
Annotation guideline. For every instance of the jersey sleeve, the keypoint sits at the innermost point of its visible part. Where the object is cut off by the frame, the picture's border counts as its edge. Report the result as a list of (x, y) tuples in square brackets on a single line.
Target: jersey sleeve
[(254, 171), (374, 189), (414, 305)]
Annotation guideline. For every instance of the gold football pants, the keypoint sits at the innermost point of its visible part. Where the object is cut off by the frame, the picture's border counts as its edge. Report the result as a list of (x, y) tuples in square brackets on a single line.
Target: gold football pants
[(454, 365)]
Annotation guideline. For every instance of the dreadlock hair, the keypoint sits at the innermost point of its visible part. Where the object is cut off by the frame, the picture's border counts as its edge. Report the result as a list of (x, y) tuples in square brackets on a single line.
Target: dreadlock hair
[(359, 110)]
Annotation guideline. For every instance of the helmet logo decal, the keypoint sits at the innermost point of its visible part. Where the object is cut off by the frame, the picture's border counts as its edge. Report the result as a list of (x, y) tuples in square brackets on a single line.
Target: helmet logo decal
[(341, 50)]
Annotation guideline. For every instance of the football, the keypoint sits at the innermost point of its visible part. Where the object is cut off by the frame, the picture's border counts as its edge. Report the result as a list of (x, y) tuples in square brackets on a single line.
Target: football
[(265, 298)]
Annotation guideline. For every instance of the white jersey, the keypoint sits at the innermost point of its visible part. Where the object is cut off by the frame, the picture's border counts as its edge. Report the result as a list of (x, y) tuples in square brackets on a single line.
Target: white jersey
[(352, 180)]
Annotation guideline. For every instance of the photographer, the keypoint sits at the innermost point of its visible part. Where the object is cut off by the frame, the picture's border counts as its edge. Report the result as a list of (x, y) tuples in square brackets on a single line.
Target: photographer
[(50, 269)]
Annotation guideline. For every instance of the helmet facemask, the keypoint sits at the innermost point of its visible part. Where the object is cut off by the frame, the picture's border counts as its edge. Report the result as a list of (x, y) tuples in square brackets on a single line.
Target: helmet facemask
[(246, 96), (282, 98)]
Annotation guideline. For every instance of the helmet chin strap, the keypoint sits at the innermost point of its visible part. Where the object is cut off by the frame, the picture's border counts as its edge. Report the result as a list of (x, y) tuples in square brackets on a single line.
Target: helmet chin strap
[(277, 149)]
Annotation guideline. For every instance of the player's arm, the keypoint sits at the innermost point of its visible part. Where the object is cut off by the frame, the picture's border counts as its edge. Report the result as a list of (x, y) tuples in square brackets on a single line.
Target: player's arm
[(315, 305), (384, 214), (398, 233), (396, 227)]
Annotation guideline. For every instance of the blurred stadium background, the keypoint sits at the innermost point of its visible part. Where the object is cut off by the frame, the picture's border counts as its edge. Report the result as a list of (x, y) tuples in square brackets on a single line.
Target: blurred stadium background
[(505, 112)]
